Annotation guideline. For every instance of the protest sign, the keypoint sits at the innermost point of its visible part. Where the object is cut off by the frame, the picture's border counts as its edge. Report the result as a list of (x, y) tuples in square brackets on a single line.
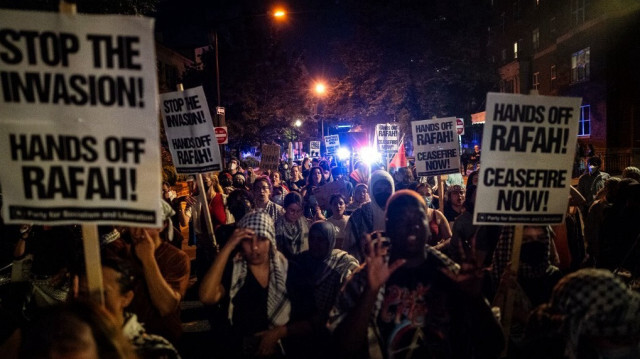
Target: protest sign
[(314, 149), (527, 157), (270, 157), (79, 136), (331, 143), (436, 146), (387, 137), (190, 132)]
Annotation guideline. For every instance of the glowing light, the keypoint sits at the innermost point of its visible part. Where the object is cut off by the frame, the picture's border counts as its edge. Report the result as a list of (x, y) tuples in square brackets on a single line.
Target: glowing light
[(320, 88), (298, 123), (343, 153), (370, 155), (279, 13)]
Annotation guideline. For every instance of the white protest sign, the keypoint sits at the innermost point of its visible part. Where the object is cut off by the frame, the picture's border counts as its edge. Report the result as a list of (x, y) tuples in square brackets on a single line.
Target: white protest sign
[(189, 129), (270, 158), (387, 137), (436, 146), (314, 149), (79, 136), (527, 158), (331, 143)]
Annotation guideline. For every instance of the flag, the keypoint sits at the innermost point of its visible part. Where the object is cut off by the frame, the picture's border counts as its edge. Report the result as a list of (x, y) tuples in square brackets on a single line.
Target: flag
[(400, 158)]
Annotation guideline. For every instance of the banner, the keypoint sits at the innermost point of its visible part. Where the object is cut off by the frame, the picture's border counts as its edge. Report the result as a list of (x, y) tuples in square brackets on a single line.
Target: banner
[(331, 143), (314, 149), (270, 158), (436, 146), (189, 128), (387, 137), (527, 157), (79, 134)]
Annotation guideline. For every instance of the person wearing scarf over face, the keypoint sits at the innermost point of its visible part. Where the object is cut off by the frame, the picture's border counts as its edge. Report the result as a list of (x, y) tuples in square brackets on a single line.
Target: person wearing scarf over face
[(536, 275), (328, 267), (592, 314), (292, 229), (249, 277), (370, 216)]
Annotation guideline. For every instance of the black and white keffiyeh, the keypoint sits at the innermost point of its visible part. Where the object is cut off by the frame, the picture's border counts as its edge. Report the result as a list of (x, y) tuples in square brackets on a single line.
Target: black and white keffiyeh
[(278, 305), (591, 302)]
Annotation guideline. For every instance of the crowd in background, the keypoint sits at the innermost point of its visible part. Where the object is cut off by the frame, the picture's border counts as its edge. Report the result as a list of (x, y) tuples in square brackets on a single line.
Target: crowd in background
[(387, 265)]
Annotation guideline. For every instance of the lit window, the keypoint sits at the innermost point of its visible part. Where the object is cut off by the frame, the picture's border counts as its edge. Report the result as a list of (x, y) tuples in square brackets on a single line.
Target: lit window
[(580, 69), (536, 38), (554, 74), (515, 50), (584, 126), (536, 80)]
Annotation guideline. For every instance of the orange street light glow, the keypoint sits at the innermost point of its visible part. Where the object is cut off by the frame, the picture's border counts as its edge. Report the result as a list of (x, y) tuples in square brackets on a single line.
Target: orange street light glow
[(320, 89), (279, 13)]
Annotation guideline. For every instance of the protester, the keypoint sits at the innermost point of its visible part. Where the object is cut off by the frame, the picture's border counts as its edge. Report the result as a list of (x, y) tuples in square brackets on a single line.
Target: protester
[(327, 267), (292, 229), (296, 182), (338, 218), (262, 189), (239, 181), (453, 207), (595, 218), (402, 178), (370, 216), (473, 178), (279, 189), (216, 200), (118, 282), (360, 173), (74, 330), (170, 196), (591, 314), (591, 182), (426, 191), (165, 270), (631, 172), (474, 158), (360, 197), (420, 303), (252, 285), (311, 206)]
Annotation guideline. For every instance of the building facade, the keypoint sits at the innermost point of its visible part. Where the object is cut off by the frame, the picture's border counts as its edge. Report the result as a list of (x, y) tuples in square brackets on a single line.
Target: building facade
[(579, 48)]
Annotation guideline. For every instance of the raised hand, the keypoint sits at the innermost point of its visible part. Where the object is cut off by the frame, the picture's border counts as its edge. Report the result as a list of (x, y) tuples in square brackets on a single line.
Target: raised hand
[(378, 270)]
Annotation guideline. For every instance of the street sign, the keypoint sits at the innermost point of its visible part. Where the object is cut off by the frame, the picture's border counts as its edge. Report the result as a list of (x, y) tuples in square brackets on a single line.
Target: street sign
[(222, 136), (460, 126), (219, 110)]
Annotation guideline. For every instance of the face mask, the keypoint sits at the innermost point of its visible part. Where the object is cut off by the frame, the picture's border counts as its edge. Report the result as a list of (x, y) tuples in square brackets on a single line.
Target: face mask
[(534, 253), (381, 198)]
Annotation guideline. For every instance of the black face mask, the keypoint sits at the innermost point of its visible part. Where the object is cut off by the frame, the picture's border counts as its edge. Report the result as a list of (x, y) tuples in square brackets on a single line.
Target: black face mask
[(381, 198), (534, 253)]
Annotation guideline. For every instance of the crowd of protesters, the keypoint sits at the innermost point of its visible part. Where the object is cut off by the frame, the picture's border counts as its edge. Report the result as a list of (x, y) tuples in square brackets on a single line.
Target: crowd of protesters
[(386, 265)]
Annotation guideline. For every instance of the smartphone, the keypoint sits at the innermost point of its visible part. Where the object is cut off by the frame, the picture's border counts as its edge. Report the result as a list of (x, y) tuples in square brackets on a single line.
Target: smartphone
[(380, 236)]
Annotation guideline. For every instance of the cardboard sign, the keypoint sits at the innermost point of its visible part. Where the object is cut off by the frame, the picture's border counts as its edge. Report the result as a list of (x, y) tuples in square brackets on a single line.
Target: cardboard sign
[(387, 137), (79, 135), (527, 157), (332, 143), (189, 129), (436, 146), (314, 149), (270, 157)]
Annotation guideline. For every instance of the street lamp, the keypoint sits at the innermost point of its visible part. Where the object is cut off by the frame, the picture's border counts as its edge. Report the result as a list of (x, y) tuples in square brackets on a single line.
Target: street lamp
[(320, 90), (298, 123)]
